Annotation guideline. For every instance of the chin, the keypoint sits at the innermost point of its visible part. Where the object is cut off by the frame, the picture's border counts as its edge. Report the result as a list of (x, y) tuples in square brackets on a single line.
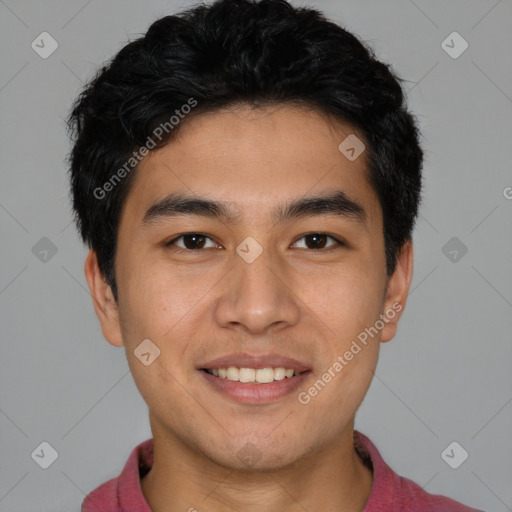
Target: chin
[(255, 457)]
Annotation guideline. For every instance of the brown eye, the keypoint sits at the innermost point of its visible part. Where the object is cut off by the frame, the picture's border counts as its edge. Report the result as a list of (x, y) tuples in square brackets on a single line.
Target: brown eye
[(317, 241), (192, 241)]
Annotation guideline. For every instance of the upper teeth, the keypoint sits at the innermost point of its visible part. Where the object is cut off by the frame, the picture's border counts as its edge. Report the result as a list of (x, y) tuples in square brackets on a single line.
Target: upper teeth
[(260, 375)]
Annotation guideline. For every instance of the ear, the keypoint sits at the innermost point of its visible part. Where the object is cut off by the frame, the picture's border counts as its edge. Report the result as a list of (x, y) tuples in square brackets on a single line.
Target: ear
[(103, 300), (397, 290)]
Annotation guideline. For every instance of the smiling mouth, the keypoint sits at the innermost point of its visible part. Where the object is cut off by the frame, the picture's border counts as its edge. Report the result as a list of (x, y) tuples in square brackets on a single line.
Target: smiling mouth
[(253, 375)]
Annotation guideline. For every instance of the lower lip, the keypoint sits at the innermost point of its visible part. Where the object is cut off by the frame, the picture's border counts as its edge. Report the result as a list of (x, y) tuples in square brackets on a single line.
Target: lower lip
[(247, 393)]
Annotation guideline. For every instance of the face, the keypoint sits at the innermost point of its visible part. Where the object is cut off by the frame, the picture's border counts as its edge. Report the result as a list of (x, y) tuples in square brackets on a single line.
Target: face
[(272, 256)]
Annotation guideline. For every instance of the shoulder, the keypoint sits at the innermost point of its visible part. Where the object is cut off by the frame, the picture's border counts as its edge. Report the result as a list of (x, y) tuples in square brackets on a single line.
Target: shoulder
[(390, 491), (104, 495), (415, 499), (124, 492)]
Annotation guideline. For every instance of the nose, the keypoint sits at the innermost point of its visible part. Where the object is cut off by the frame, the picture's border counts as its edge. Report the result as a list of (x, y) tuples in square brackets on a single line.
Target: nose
[(257, 297)]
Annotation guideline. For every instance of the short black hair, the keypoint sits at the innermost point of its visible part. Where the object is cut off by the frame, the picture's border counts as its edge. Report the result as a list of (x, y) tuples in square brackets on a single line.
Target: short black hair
[(233, 52)]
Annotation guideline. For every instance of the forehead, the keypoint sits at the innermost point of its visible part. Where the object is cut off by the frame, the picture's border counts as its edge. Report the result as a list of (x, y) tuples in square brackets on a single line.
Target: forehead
[(253, 159)]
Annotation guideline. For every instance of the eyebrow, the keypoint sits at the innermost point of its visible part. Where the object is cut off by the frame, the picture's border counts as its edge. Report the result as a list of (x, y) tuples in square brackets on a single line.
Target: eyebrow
[(336, 203)]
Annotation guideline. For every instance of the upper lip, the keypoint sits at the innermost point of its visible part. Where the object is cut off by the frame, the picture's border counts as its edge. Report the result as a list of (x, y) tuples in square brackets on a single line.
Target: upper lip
[(244, 360)]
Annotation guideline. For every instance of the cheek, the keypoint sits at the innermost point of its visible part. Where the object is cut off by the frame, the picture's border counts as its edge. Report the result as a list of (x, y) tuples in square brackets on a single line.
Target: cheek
[(158, 299), (162, 305), (346, 300), (341, 384), (348, 304), (336, 402)]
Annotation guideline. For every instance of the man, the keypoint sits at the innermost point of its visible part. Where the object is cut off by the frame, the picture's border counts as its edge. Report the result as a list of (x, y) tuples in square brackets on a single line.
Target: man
[(247, 177)]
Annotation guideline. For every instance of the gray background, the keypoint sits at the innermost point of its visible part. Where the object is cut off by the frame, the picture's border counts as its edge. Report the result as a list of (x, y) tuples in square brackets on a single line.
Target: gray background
[(445, 377)]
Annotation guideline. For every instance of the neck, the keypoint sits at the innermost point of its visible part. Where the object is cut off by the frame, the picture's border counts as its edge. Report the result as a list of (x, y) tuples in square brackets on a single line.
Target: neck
[(183, 479)]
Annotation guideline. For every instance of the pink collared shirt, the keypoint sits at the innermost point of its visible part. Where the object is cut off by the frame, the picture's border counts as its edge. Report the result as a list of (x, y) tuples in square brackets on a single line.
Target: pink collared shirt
[(390, 492)]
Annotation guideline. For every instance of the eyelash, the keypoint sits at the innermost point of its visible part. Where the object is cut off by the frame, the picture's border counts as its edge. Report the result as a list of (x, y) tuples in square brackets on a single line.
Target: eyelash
[(172, 242)]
